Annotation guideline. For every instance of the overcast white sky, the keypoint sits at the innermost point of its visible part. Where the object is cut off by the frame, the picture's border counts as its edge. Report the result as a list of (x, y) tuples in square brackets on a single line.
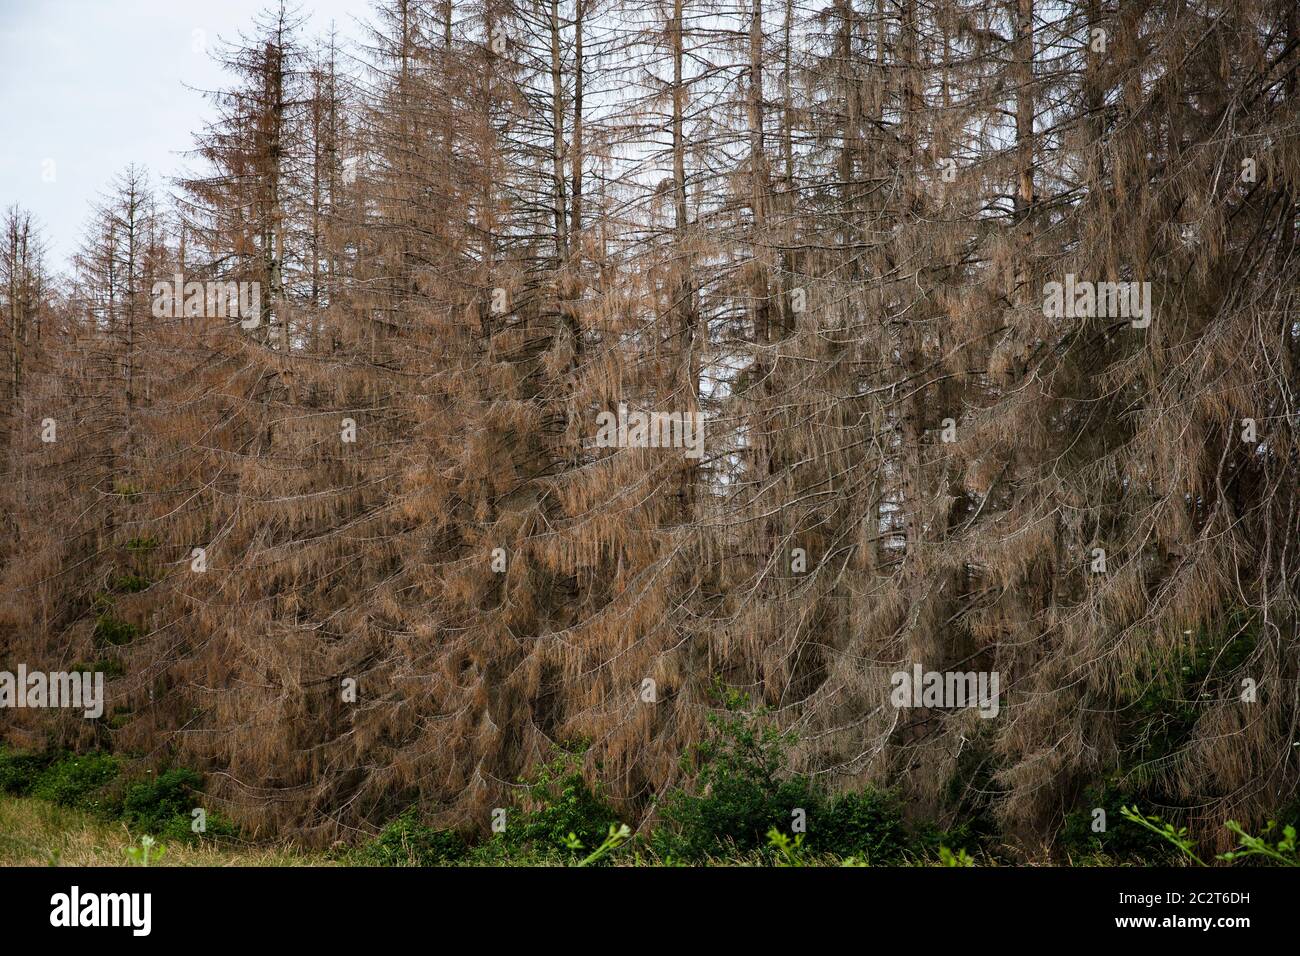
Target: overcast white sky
[(93, 85)]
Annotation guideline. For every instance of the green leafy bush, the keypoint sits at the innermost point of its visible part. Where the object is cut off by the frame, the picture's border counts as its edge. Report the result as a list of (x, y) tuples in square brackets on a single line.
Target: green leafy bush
[(741, 789), (81, 781), (152, 802), (560, 819), (163, 805), (558, 803), (19, 771), (927, 841), (406, 841), (1118, 841), (868, 825)]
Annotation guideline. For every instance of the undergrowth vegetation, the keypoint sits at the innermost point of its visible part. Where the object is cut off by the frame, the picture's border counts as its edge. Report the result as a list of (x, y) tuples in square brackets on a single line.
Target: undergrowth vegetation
[(159, 804), (740, 804), (743, 806)]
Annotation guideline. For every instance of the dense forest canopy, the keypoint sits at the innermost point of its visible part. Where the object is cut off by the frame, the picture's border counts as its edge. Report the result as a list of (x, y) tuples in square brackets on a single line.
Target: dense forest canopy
[(519, 375)]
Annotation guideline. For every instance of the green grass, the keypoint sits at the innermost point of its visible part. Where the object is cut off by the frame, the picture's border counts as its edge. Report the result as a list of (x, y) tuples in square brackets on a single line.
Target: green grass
[(35, 832)]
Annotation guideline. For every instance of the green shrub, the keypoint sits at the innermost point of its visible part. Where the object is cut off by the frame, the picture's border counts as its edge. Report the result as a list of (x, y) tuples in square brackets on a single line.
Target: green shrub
[(561, 819), (406, 841), (741, 790), (156, 798), (926, 840), (19, 771), (1121, 840), (79, 780), (150, 804), (160, 805), (558, 802), (163, 805), (866, 825)]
